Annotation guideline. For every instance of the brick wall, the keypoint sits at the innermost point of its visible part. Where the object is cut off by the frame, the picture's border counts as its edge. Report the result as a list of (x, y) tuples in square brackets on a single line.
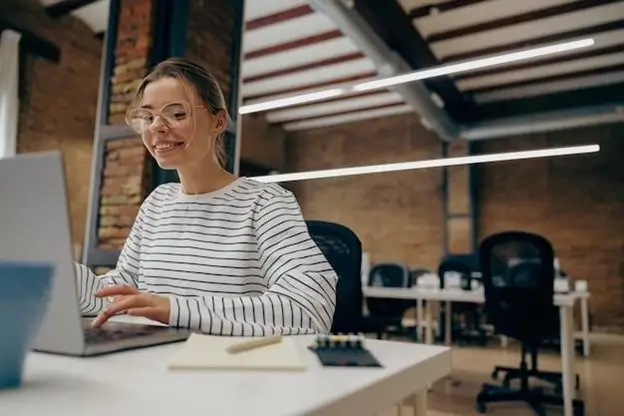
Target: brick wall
[(262, 143), (398, 216), (132, 52), (124, 186), (576, 201), (58, 109), (209, 38)]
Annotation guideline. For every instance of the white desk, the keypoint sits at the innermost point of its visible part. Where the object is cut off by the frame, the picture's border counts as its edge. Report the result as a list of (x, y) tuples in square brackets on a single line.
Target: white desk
[(138, 382), (564, 301)]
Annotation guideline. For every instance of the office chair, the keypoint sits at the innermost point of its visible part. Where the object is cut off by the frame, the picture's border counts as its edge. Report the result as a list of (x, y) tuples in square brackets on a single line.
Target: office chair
[(517, 276), (553, 377), (387, 314), (343, 250), (467, 267)]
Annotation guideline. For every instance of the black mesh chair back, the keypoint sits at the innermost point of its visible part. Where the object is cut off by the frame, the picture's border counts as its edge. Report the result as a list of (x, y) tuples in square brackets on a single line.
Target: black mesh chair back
[(465, 265), (388, 275), (518, 278), (343, 250)]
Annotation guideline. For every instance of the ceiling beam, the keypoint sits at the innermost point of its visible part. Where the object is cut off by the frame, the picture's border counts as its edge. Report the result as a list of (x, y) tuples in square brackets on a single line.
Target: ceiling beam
[(395, 28), (64, 7), (565, 100), (545, 122), (34, 44), (426, 10)]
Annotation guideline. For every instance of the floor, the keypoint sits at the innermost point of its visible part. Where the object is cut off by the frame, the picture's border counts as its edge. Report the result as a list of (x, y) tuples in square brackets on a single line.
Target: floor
[(602, 375)]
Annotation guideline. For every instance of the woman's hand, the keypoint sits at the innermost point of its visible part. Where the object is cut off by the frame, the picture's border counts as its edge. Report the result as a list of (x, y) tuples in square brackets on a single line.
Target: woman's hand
[(130, 300)]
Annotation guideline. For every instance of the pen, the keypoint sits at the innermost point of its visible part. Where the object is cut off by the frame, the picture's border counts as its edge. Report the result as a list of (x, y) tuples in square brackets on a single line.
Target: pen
[(253, 343)]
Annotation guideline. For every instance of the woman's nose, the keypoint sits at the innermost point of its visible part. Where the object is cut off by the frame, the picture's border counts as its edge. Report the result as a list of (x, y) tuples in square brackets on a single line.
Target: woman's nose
[(158, 125)]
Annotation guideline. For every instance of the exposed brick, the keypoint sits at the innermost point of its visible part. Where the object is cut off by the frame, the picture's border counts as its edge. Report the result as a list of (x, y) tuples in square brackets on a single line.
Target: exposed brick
[(210, 30), (132, 51), (58, 107), (262, 143), (123, 189)]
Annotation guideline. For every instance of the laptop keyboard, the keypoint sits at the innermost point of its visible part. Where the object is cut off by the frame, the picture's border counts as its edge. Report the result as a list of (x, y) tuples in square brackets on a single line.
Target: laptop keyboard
[(111, 332)]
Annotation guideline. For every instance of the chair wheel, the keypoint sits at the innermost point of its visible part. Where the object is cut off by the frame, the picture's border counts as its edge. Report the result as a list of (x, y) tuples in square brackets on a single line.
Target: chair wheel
[(480, 407)]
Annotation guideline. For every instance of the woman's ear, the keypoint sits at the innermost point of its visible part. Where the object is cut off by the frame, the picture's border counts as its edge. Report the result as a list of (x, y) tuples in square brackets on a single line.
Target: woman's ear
[(221, 124)]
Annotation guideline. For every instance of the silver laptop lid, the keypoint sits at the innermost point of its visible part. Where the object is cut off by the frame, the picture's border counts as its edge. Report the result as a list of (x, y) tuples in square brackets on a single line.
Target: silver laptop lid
[(34, 226)]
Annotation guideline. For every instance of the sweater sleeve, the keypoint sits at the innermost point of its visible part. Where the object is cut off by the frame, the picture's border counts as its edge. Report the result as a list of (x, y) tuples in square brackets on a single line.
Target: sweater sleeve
[(301, 284), (125, 273)]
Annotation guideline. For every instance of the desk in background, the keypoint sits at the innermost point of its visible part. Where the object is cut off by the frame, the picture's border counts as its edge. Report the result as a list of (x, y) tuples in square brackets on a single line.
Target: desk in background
[(565, 302)]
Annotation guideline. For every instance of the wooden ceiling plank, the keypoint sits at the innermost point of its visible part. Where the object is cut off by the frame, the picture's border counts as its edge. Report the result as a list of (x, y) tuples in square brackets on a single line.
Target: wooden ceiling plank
[(547, 61), (553, 78), (534, 41), (278, 17), (305, 67), (321, 37), (543, 13), (365, 76)]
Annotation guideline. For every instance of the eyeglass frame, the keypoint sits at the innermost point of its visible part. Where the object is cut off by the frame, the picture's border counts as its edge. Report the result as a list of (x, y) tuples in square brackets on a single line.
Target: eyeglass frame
[(213, 111)]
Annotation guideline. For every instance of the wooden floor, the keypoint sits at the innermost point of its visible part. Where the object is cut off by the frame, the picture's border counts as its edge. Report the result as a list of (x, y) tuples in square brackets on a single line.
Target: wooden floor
[(602, 379)]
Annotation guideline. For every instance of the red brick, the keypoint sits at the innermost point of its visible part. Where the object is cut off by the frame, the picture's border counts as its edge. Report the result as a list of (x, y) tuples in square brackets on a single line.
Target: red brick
[(209, 38)]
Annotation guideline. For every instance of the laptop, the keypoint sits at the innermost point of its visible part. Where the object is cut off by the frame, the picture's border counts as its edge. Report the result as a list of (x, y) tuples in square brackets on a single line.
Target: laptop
[(35, 226)]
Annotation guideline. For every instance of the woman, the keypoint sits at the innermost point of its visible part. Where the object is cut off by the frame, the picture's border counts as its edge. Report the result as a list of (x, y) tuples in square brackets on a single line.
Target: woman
[(213, 253)]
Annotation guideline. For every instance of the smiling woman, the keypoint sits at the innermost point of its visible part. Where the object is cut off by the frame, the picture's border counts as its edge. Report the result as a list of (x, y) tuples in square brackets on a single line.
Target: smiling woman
[(214, 253), (171, 95)]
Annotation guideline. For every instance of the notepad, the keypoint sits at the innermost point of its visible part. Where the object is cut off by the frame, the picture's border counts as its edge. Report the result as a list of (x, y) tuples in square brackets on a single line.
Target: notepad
[(208, 352)]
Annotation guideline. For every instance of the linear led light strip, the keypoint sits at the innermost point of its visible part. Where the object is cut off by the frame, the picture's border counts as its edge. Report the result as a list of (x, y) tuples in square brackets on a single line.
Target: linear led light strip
[(425, 164), (418, 75)]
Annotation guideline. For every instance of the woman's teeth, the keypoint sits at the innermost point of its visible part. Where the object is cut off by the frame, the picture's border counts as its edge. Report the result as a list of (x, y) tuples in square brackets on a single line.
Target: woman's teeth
[(165, 147)]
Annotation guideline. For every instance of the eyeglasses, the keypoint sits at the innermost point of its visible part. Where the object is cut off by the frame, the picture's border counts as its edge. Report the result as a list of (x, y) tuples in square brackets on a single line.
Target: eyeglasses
[(173, 115)]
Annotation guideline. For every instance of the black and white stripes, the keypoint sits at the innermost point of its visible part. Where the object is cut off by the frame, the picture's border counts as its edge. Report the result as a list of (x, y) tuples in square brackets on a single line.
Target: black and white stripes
[(238, 261)]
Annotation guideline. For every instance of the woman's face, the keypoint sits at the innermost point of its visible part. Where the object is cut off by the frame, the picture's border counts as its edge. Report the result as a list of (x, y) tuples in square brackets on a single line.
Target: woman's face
[(177, 128)]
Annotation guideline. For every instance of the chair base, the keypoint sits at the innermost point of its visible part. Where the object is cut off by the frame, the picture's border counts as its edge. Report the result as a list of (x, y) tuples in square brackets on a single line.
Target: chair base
[(533, 397), (552, 377)]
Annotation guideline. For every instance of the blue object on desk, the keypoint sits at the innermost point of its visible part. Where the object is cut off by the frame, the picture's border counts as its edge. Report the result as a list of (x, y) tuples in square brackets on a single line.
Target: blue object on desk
[(24, 294)]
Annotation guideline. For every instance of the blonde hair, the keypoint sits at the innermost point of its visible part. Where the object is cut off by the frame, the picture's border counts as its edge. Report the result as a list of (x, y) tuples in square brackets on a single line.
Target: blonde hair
[(192, 76)]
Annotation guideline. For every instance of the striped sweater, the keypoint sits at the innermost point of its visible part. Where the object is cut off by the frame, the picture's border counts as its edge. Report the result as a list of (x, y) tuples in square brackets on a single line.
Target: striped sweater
[(237, 261)]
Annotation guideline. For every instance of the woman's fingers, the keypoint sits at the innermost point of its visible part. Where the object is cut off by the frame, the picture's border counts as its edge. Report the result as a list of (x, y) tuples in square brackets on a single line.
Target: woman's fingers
[(116, 290), (122, 304)]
